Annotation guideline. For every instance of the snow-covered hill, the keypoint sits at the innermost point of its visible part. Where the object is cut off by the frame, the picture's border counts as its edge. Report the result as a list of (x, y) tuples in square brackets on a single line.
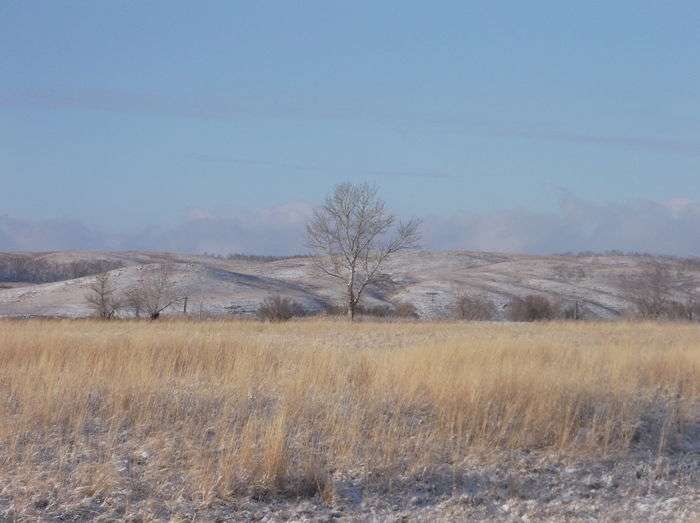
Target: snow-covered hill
[(429, 280)]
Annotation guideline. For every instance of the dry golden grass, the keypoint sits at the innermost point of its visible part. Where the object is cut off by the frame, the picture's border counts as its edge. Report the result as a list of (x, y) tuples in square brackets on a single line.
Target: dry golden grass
[(222, 408)]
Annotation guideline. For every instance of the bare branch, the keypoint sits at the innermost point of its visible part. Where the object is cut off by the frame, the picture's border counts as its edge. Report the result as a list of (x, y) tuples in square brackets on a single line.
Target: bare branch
[(656, 291), (351, 237), (155, 293), (101, 296)]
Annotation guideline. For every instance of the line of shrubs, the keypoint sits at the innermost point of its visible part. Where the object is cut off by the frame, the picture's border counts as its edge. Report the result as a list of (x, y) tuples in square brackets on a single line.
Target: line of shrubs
[(529, 308), (282, 308), (252, 257), (470, 308)]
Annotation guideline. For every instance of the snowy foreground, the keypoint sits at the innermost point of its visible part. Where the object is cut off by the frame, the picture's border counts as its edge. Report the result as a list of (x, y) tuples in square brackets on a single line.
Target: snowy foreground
[(182, 420)]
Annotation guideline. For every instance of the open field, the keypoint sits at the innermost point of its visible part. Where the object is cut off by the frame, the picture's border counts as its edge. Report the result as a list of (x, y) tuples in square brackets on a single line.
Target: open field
[(321, 419)]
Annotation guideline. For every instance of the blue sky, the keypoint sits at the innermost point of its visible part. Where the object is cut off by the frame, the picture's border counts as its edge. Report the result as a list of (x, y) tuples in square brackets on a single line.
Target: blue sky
[(131, 115)]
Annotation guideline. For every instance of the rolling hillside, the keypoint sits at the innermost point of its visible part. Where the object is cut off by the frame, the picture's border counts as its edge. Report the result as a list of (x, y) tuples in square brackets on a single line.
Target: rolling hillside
[(429, 280)]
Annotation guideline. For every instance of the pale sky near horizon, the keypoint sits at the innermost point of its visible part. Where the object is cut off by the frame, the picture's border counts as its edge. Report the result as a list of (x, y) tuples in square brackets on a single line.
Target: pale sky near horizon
[(129, 115)]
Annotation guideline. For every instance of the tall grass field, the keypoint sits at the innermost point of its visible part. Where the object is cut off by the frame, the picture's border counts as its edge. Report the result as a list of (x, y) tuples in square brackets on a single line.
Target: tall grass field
[(215, 411)]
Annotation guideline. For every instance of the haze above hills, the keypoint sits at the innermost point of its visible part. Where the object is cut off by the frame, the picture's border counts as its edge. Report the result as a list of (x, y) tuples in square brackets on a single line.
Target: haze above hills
[(575, 224)]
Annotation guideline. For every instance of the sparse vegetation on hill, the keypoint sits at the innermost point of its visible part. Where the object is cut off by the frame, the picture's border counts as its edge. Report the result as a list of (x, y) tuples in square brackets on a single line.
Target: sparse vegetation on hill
[(660, 291), (431, 282), (253, 257), (34, 268)]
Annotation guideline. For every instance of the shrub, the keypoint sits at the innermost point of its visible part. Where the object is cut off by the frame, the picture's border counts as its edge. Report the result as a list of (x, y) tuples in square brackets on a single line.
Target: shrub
[(572, 311), (376, 311), (400, 310), (279, 308), (689, 311), (474, 308), (334, 310), (531, 308), (405, 310)]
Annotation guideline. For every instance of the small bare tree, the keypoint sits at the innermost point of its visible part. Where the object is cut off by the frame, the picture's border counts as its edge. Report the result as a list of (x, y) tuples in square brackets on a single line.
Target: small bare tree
[(351, 238), (133, 301), (101, 296), (658, 292), (689, 306), (155, 293), (650, 290)]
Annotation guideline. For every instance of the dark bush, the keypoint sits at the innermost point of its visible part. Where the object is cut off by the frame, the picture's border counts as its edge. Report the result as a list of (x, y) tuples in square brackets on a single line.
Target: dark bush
[(400, 310), (376, 311), (474, 308), (531, 308), (405, 310), (280, 308), (335, 310), (689, 311)]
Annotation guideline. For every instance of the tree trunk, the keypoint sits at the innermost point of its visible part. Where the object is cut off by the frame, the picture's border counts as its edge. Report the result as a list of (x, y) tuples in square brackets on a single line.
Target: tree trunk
[(351, 297)]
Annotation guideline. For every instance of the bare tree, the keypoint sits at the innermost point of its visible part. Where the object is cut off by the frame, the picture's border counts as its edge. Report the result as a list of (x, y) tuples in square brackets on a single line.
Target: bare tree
[(155, 293), (101, 296), (351, 238), (694, 304), (133, 301), (649, 290), (657, 292), (689, 306), (18, 267)]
